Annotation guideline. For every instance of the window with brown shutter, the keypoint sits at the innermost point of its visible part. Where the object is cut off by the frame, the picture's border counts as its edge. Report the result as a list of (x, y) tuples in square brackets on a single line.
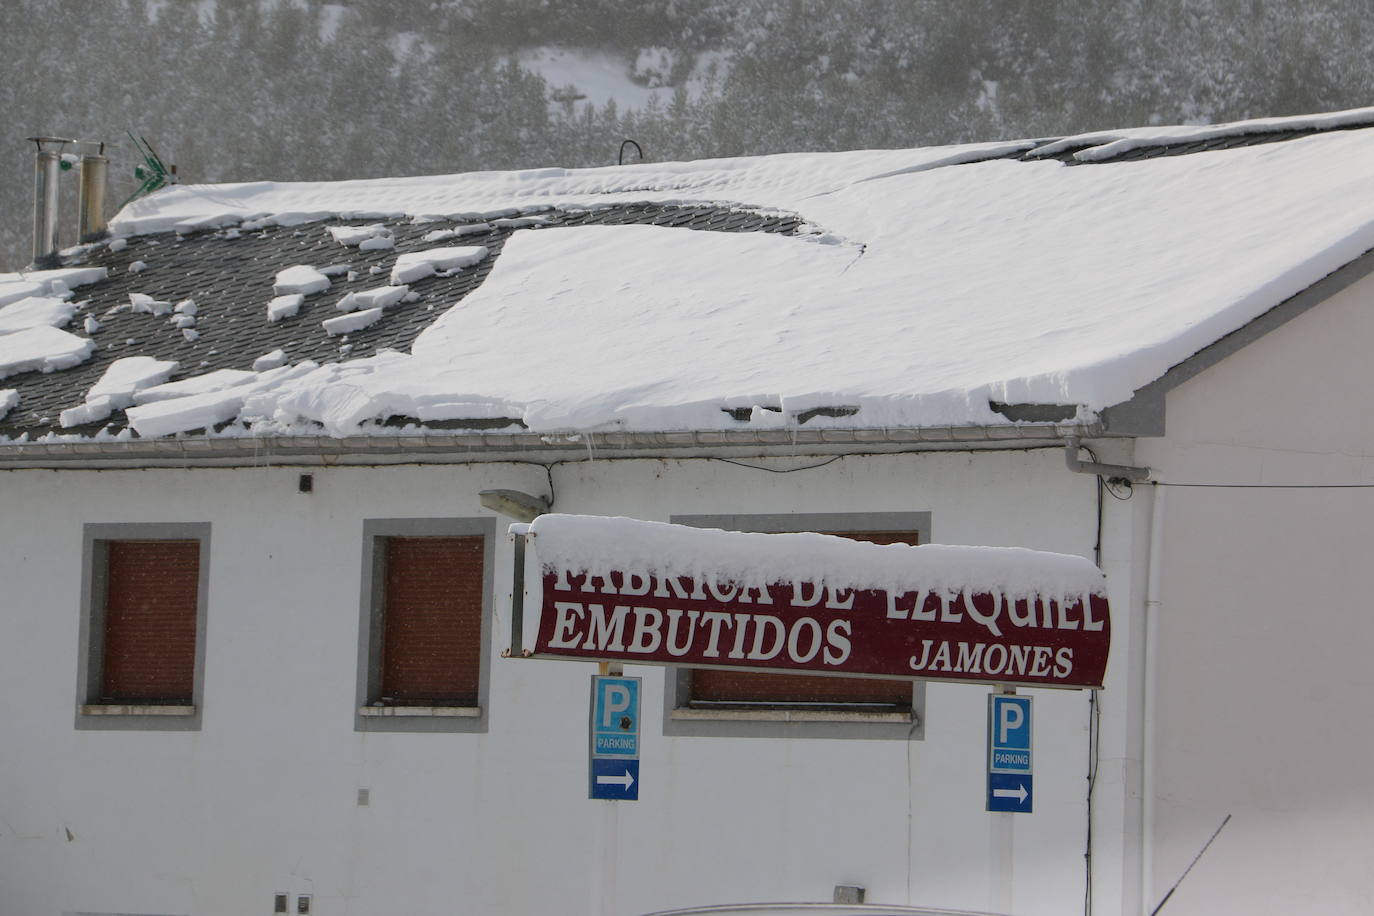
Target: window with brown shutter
[(151, 594), (432, 621), (424, 637), (143, 625), (723, 688)]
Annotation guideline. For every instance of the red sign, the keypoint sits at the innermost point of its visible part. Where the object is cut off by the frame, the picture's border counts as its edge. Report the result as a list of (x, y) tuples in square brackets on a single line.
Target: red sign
[(799, 626)]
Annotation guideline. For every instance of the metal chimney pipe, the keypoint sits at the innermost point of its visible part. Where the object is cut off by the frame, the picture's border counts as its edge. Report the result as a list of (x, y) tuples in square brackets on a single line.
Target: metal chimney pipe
[(46, 167), (91, 215)]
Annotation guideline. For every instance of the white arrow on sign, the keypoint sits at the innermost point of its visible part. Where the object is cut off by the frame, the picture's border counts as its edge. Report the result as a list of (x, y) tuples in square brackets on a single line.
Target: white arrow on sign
[(1019, 793), (627, 780)]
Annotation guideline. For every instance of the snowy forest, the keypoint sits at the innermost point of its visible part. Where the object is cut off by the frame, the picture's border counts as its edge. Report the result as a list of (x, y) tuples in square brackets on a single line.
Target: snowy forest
[(238, 90)]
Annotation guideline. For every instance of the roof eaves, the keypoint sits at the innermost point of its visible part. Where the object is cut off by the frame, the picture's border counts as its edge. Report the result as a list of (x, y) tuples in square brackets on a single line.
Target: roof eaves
[(1143, 414), (488, 447)]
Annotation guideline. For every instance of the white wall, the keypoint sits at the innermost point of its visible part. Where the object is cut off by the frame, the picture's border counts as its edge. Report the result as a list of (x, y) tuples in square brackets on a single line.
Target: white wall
[(1266, 624), (264, 797)]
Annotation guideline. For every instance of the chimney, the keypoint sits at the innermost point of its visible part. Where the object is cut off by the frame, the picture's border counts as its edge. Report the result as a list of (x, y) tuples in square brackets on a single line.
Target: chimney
[(47, 164), (91, 215)]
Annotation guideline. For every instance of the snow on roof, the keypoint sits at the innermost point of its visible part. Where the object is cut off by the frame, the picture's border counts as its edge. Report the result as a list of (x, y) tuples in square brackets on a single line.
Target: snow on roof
[(1098, 146), (780, 181), (42, 348), (921, 292)]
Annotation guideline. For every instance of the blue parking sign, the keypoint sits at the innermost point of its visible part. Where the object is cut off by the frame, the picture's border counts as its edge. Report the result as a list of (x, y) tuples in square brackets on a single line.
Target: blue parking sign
[(1009, 792), (1009, 753), (615, 779), (615, 717), (613, 767)]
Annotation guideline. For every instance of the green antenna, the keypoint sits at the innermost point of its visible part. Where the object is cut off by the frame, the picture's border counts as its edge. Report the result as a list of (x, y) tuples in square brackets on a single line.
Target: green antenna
[(152, 172)]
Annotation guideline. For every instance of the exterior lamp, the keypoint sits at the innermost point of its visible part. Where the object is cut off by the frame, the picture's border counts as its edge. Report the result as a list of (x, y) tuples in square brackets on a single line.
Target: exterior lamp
[(520, 506)]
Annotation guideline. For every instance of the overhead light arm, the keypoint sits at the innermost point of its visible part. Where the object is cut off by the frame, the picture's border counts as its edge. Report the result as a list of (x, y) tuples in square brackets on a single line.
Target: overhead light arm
[(517, 505)]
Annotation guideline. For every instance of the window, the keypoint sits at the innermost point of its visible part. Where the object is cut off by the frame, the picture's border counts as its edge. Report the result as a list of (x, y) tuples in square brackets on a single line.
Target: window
[(426, 595), (143, 626), (721, 701)]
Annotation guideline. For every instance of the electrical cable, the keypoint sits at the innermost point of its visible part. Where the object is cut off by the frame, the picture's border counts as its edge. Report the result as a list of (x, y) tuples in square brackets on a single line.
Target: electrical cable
[(1094, 749), (1094, 709), (1267, 486), (756, 467)]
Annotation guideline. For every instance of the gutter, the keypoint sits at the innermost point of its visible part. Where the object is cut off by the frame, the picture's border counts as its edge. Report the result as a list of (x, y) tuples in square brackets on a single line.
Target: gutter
[(1149, 651), (258, 451), (1148, 701), (1109, 471)]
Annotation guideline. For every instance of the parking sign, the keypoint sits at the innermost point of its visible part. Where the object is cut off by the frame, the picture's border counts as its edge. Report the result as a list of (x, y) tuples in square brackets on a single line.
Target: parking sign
[(1009, 753), (613, 768)]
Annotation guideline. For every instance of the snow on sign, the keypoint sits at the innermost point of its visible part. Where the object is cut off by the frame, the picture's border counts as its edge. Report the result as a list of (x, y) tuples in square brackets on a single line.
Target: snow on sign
[(616, 589)]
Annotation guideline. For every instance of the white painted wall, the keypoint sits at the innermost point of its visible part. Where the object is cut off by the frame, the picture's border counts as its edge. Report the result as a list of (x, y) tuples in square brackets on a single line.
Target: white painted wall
[(263, 798), (1266, 625)]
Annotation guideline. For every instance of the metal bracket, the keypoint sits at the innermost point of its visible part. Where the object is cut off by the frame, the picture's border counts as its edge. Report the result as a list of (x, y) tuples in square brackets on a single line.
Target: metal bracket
[(1109, 471)]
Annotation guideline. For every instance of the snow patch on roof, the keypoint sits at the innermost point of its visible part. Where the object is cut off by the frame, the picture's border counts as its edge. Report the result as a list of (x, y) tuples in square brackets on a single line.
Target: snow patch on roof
[(778, 181), (353, 321), (379, 298), (166, 416), (416, 265), (117, 387), (56, 283), (353, 236), (1107, 144), (93, 410), (35, 311), (284, 306), (301, 278), (271, 360), (439, 235), (125, 377), (141, 302), (218, 380), (45, 349)]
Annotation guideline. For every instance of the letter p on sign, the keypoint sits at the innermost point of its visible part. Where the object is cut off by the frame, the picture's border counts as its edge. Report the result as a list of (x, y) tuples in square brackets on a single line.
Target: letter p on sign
[(1009, 718), (615, 701), (1010, 722), (615, 705)]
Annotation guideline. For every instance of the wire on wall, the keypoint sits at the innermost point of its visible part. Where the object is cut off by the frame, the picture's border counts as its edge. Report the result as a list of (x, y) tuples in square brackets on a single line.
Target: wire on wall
[(1266, 486)]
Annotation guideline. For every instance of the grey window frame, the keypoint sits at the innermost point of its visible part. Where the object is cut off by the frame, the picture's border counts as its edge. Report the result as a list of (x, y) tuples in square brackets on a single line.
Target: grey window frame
[(91, 714), (369, 717), (681, 720)]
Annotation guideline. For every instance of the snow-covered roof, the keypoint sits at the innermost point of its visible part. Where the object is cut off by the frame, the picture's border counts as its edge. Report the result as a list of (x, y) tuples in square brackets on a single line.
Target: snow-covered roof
[(874, 289)]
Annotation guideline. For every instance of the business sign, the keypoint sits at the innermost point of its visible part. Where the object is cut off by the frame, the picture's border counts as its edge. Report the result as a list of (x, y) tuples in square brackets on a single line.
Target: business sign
[(613, 768), (612, 589), (1009, 754)]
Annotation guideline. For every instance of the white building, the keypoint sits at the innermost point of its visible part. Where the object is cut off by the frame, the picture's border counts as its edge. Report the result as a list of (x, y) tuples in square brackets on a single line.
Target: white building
[(255, 619)]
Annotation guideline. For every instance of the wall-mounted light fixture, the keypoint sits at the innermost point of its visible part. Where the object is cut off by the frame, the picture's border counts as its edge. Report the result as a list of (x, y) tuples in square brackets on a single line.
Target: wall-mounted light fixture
[(520, 506)]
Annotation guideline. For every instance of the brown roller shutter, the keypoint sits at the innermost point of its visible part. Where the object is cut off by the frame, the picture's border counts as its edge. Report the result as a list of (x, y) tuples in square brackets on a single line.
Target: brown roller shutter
[(720, 686), (432, 621), (150, 621)]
